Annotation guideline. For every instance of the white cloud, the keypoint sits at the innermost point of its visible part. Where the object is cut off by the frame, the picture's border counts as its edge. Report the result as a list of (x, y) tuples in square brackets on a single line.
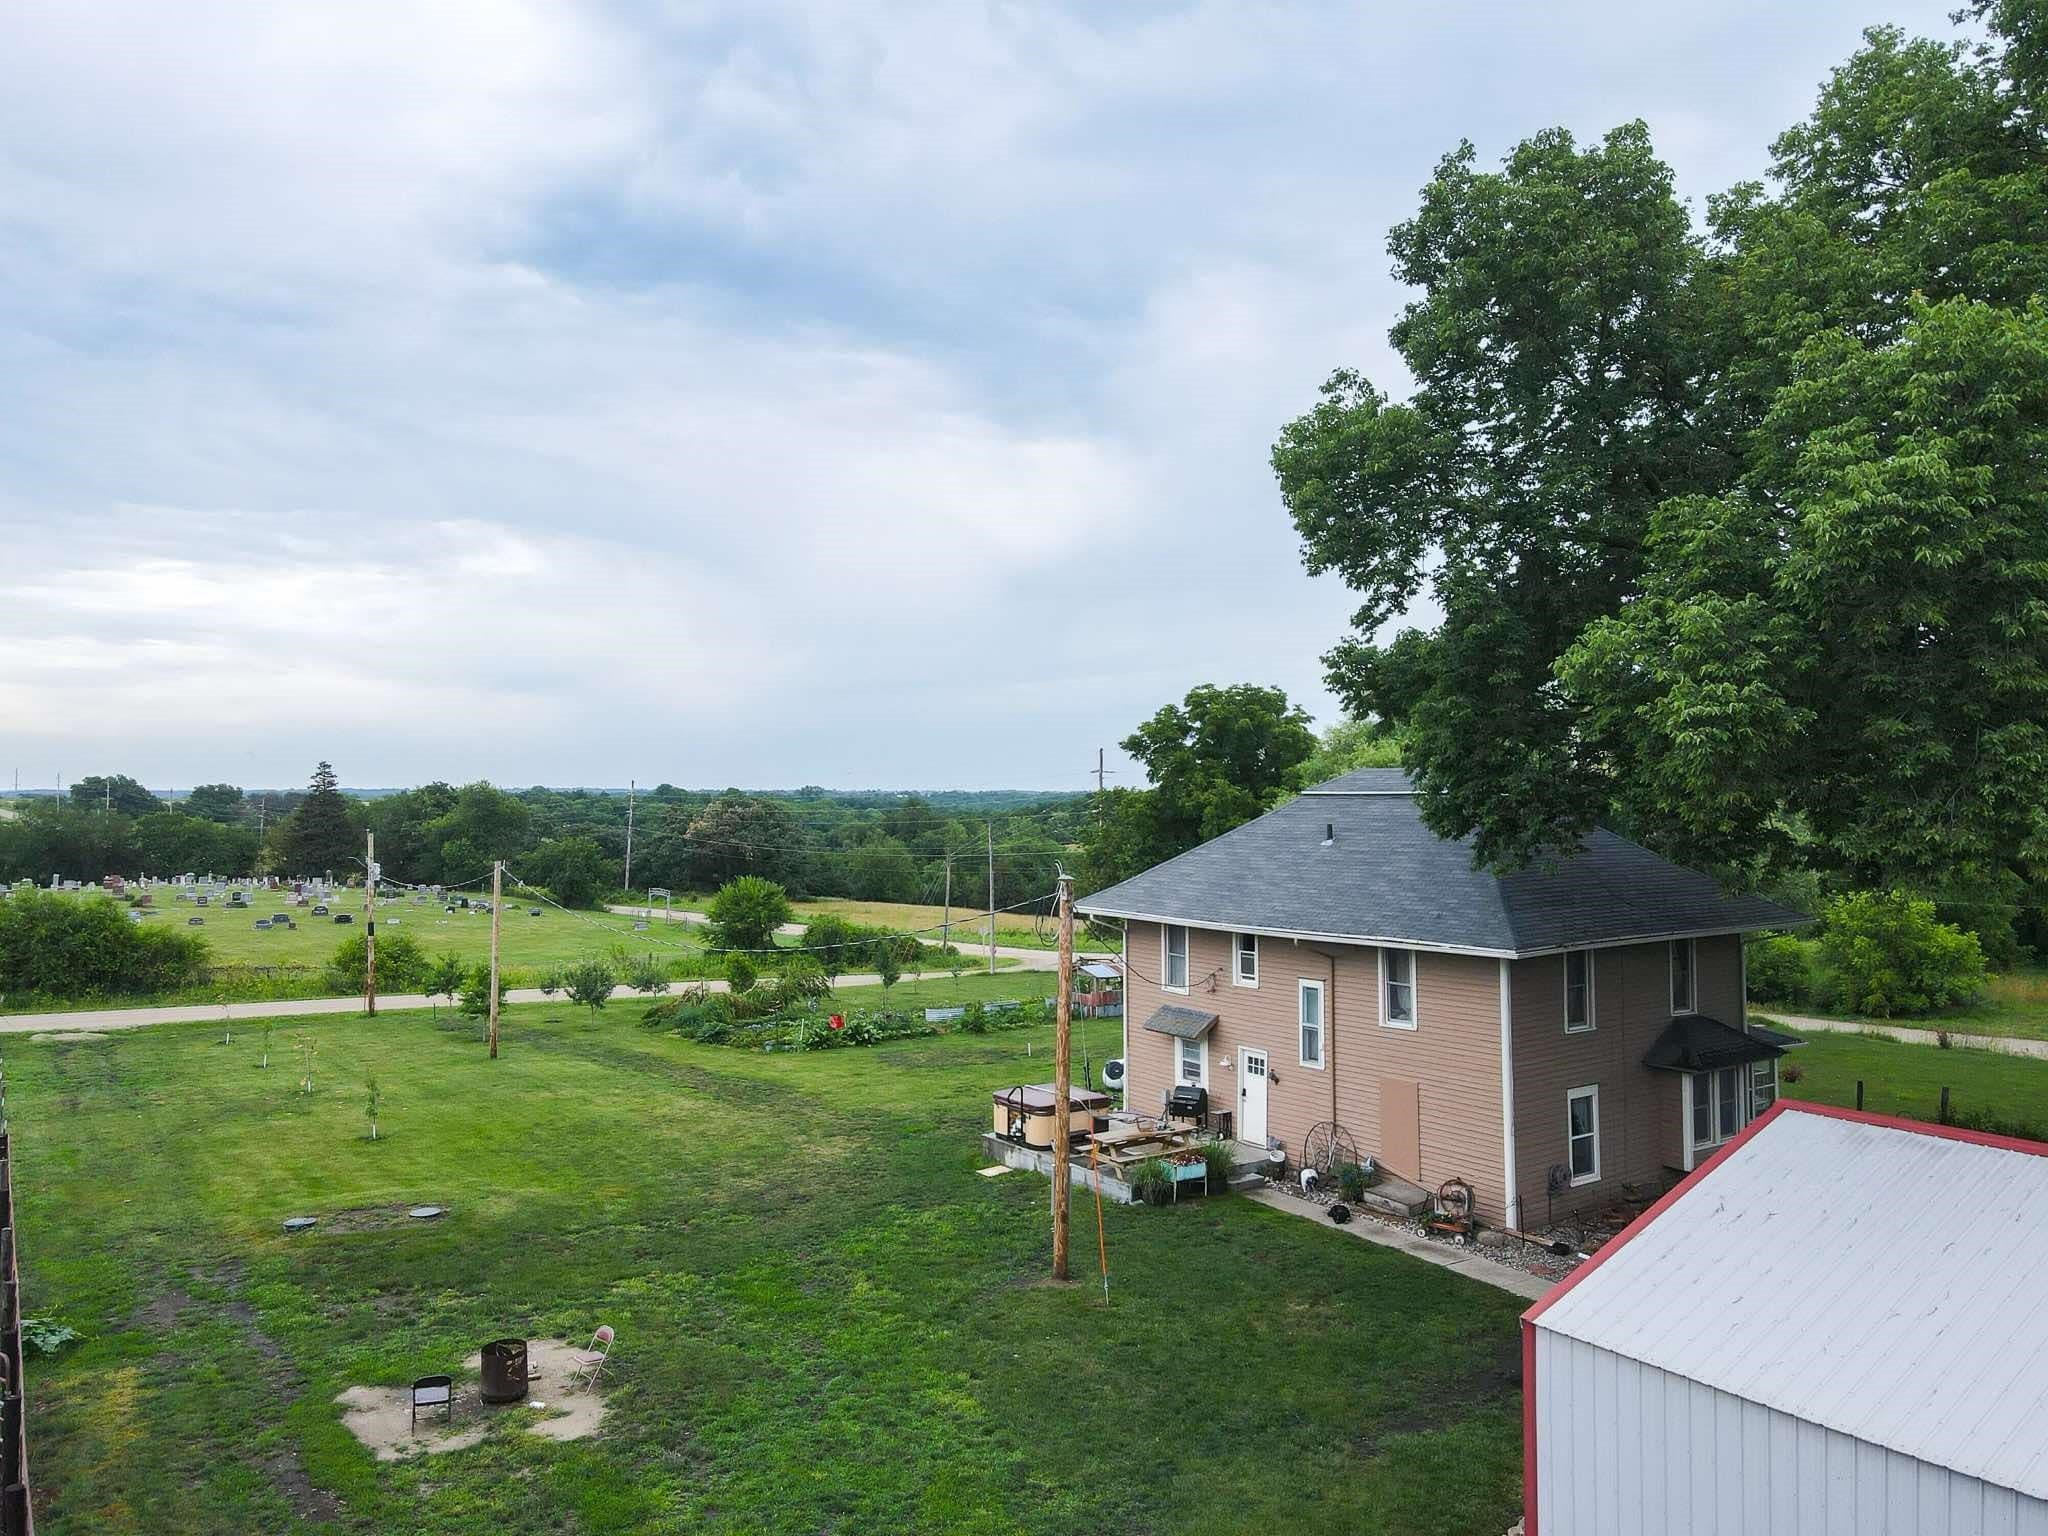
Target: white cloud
[(769, 392)]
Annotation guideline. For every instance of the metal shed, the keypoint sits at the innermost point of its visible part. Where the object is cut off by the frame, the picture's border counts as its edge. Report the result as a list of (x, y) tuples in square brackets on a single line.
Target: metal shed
[(1835, 1325)]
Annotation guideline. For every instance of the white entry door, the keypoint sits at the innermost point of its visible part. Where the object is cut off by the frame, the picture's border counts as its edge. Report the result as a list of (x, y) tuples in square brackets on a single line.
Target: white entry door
[(1251, 1097)]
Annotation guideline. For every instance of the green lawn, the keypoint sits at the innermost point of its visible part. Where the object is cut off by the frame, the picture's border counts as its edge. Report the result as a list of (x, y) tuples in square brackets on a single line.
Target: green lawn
[(553, 938), (2015, 1003), (826, 1321), (1908, 1079)]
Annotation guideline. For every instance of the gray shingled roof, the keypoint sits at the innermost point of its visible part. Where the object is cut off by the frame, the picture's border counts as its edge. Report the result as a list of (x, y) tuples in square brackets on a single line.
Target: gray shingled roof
[(1386, 876), (1695, 1043)]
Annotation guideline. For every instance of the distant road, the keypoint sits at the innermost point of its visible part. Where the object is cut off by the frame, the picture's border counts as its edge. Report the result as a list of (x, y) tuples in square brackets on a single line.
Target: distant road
[(1027, 959), (311, 1007), (1905, 1034)]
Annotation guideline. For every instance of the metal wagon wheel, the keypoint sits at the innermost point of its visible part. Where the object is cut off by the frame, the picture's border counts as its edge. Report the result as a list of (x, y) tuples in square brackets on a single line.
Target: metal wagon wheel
[(1327, 1147)]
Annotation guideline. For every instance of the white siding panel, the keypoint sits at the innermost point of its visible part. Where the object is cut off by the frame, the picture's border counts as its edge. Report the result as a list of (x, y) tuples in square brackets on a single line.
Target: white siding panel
[(1902, 1316), (1622, 1447)]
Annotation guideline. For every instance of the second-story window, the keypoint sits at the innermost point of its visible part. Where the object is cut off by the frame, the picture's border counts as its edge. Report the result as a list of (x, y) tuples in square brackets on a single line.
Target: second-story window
[(1397, 967), (1578, 990), (1683, 982), (1173, 964), (1311, 1000), (1245, 971)]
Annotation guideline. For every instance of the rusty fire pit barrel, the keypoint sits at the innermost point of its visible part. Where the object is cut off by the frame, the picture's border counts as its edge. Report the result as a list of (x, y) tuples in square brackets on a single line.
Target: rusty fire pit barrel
[(504, 1371)]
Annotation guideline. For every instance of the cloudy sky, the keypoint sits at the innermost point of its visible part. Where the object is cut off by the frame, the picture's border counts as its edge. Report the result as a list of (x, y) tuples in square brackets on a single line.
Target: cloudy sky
[(764, 393)]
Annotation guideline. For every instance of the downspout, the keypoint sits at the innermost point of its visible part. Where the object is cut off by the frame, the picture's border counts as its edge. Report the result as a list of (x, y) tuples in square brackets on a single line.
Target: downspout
[(1511, 1195)]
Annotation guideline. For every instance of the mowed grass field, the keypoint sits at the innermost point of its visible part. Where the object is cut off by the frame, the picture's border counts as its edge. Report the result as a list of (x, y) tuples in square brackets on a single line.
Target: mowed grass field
[(553, 938), (826, 1321), (1907, 1080)]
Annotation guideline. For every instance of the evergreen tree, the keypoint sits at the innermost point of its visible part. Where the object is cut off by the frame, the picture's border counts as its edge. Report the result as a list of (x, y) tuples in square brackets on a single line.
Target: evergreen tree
[(320, 837)]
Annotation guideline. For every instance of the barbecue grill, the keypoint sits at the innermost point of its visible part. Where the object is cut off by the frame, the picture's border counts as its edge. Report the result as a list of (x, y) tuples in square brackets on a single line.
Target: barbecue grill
[(1189, 1101)]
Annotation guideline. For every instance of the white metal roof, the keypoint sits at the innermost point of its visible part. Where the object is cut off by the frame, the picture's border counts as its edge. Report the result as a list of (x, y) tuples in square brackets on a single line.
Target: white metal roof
[(1885, 1282)]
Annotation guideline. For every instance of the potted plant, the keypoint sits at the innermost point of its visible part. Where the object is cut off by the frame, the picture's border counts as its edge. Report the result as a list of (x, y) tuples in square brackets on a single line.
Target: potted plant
[(1152, 1181), (1219, 1158)]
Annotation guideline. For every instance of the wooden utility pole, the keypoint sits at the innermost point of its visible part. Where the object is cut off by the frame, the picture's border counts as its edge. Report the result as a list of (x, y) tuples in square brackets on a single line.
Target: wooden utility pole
[(946, 916), (370, 923), (497, 901), (1062, 1078), (991, 898), (631, 786)]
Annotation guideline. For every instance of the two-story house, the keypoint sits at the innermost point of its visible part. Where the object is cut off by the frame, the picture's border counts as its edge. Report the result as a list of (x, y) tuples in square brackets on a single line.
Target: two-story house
[(1554, 1036)]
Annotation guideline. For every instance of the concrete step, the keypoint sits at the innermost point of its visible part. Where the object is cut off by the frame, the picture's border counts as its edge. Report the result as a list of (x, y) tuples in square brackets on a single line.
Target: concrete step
[(1392, 1195), (1240, 1182)]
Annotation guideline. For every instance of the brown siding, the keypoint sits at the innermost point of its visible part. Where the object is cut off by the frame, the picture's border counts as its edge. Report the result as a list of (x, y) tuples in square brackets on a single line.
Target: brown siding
[(1453, 1054), (1641, 1111)]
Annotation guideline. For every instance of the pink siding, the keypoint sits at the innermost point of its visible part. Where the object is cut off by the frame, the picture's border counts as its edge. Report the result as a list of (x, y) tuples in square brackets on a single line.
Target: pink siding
[(1641, 1111), (1453, 1054)]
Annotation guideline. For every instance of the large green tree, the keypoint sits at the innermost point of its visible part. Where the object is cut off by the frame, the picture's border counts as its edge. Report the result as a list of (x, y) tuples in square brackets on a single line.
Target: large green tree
[(215, 802), (320, 837), (1737, 537), (114, 792), (1215, 760)]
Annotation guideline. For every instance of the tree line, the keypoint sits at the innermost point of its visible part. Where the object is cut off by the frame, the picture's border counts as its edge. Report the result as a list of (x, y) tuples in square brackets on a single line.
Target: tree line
[(811, 842)]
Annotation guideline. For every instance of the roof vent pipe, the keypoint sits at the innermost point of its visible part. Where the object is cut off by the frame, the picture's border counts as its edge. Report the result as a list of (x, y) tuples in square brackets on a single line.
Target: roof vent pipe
[(1329, 833)]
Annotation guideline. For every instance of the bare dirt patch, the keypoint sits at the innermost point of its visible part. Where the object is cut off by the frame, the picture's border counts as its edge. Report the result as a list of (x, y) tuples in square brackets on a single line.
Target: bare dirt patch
[(67, 1036), (555, 1407)]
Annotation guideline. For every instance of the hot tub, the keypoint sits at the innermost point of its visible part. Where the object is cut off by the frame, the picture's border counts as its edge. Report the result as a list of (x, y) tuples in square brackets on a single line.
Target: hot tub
[(1024, 1113)]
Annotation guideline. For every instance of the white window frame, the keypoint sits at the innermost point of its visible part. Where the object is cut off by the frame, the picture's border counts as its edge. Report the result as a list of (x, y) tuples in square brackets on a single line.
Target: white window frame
[(1591, 1022), (1387, 1019), (1302, 988), (1180, 1062), (1763, 1085), (1745, 1105), (1572, 1095), (1238, 954), (1692, 976), (1187, 958)]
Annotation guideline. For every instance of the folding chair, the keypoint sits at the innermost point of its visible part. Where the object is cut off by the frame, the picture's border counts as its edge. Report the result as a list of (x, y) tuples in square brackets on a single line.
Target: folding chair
[(592, 1360), (433, 1392)]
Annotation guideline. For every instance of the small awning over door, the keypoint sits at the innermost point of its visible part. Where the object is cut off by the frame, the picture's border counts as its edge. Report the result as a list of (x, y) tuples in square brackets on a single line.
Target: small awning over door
[(1181, 1023)]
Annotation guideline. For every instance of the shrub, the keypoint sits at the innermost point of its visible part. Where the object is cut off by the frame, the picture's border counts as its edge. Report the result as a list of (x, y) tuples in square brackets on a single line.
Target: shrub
[(974, 1019), (1791, 1072), (1219, 1159), (64, 946), (443, 977), (43, 1336), (1993, 1124), (1780, 970), (741, 973), (814, 1033), (475, 997), (402, 966), (862, 1029), (645, 973), (746, 912), (1886, 954), (800, 984), (1351, 1180), (590, 984)]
